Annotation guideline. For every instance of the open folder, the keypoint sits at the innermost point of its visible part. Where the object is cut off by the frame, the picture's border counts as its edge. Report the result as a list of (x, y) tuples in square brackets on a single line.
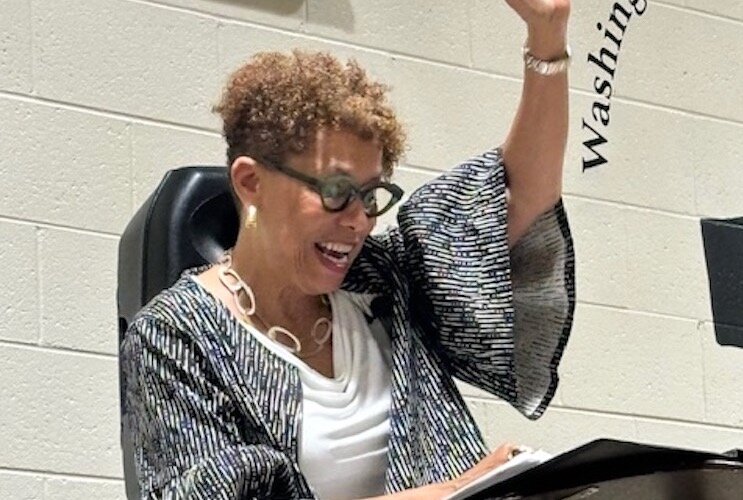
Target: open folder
[(617, 466)]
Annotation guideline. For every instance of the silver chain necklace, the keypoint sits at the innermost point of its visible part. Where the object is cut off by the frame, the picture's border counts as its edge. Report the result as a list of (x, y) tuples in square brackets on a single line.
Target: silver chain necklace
[(321, 330)]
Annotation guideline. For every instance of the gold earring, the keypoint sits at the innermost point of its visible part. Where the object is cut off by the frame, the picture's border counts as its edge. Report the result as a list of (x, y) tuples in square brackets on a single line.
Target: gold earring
[(251, 217)]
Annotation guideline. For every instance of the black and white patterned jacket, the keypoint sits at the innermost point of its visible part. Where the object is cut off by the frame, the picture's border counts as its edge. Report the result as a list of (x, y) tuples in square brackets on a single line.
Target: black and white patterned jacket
[(213, 414)]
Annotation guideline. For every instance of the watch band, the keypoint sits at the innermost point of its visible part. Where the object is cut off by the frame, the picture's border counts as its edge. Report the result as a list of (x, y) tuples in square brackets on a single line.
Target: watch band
[(547, 68)]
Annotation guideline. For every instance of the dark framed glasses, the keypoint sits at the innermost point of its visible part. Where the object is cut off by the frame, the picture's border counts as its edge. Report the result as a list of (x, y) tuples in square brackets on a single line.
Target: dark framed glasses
[(337, 191)]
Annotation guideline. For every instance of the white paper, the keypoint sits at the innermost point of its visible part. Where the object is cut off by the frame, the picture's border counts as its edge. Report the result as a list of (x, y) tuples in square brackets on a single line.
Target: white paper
[(518, 464)]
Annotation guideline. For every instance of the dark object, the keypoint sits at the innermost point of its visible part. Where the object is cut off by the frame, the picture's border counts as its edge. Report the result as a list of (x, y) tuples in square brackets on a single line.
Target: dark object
[(609, 469), (337, 191), (188, 221), (723, 247)]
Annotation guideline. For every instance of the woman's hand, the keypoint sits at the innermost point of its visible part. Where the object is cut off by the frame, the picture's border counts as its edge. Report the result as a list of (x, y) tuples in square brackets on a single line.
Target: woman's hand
[(547, 22), (501, 455), (439, 491), (436, 491), (541, 12)]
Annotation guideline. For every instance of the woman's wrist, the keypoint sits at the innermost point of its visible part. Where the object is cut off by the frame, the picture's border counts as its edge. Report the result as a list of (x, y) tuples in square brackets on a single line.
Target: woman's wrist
[(548, 31), (548, 43), (434, 491)]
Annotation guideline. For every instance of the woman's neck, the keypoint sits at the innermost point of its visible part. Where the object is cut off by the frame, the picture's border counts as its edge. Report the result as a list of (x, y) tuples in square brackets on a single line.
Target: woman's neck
[(278, 302)]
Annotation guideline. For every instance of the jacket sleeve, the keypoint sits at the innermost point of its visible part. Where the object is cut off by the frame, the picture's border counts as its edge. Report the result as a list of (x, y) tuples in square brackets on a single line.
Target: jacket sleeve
[(187, 440), (499, 318)]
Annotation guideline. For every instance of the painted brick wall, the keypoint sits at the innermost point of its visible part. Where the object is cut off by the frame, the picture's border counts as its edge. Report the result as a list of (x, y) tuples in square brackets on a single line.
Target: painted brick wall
[(99, 98)]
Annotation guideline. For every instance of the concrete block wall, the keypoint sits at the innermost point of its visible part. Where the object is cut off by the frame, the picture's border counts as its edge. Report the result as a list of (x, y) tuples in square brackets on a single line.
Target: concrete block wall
[(98, 99)]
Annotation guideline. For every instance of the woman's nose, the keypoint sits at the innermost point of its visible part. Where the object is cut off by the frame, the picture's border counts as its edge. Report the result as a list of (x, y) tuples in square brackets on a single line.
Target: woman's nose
[(354, 216)]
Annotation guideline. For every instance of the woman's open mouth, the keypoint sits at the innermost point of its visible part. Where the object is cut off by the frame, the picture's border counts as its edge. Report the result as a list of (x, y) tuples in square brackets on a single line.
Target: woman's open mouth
[(335, 254)]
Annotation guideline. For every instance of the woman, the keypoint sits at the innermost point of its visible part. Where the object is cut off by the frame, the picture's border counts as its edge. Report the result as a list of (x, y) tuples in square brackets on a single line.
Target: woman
[(317, 360)]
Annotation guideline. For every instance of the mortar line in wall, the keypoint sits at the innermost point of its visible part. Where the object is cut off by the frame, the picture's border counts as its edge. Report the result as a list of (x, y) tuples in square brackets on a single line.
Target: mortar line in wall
[(370, 49), (639, 208), (220, 25), (212, 15), (698, 12), (641, 311), (39, 284), (695, 190), (59, 349), (306, 20), (56, 475), (423, 59), (672, 109), (470, 33), (326, 39), (627, 416), (196, 11), (401, 56), (656, 418), (31, 45), (702, 350), (329, 40), (144, 120), (132, 187), (63, 227), (117, 115), (339, 42)]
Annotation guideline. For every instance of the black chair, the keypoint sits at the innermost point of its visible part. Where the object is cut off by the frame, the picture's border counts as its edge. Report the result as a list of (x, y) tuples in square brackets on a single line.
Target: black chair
[(188, 221)]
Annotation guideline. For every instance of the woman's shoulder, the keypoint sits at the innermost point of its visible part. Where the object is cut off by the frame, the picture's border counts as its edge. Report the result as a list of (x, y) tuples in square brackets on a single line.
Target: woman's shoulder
[(178, 306)]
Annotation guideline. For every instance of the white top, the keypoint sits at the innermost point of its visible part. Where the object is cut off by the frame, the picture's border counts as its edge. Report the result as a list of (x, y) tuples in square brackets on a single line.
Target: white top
[(345, 423)]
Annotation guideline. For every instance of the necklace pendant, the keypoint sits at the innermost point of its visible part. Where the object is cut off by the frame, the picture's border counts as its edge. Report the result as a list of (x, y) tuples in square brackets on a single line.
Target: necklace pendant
[(274, 332), (321, 337)]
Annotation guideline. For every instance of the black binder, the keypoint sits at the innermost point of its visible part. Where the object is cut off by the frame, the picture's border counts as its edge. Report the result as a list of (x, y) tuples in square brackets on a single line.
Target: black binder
[(610, 469)]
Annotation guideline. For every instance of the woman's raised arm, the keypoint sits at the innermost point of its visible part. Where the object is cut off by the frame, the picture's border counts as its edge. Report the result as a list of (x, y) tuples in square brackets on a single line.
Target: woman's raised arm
[(534, 150)]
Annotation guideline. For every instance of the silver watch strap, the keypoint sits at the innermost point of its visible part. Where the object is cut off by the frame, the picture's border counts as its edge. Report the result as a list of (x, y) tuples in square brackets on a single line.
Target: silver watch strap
[(547, 68)]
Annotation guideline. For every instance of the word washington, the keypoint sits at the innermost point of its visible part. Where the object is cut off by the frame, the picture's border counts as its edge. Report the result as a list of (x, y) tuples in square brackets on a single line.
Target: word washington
[(606, 62)]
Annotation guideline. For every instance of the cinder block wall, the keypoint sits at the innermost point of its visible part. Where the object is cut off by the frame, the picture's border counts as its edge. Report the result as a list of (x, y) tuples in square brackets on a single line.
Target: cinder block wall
[(99, 98)]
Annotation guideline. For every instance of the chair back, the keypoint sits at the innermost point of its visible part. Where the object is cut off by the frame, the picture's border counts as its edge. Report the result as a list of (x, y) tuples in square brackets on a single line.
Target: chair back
[(189, 220)]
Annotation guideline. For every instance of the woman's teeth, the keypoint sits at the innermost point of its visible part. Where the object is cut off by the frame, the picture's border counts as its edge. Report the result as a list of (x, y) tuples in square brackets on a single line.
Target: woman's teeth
[(336, 247), (335, 252)]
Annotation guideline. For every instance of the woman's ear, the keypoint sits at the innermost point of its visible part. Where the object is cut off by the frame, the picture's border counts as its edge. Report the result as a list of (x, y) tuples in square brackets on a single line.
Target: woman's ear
[(245, 178)]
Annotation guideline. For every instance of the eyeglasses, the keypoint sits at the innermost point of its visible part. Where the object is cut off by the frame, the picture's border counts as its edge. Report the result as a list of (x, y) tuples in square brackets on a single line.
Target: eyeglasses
[(337, 191)]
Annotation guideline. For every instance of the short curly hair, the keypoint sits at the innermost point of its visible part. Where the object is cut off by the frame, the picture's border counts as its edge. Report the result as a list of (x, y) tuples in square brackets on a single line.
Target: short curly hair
[(274, 104)]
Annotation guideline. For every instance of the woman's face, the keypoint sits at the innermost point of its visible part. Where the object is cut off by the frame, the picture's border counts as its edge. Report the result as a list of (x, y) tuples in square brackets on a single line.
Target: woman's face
[(307, 246)]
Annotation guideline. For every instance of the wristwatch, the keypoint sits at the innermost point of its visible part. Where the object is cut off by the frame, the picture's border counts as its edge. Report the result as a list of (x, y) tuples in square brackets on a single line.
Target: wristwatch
[(547, 68)]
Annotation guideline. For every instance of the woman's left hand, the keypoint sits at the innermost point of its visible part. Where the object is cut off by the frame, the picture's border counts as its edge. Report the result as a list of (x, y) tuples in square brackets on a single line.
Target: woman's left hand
[(547, 22), (542, 12)]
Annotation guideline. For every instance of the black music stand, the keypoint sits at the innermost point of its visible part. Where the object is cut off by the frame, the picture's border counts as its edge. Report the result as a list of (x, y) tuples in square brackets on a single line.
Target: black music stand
[(723, 247), (609, 469)]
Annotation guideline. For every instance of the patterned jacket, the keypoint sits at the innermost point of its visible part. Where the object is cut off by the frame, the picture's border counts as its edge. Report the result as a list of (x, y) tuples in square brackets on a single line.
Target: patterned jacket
[(213, 414)]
